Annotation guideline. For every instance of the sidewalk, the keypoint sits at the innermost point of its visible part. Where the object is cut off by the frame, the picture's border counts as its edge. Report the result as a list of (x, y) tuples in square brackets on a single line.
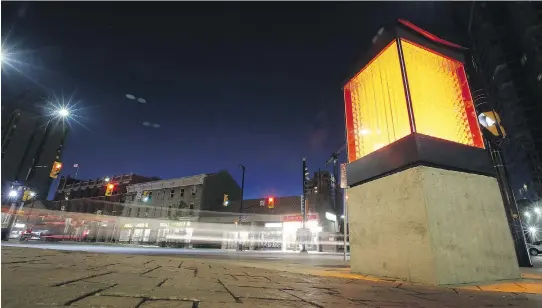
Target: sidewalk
[(531, 281), (48, 278)]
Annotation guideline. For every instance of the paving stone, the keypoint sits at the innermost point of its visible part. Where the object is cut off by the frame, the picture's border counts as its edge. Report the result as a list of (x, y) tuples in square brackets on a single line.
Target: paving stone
[(167, 304), (108, 302), (191, 293), (43, 296), (259, 303), (244, 292), (211, 285)]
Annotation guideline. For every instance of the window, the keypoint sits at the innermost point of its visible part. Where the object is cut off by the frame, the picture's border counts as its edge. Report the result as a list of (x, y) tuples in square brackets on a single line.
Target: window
[(146, 211), (168, 211), (129, 211), (172, 194), (194, 189), (191, 207), (140, 212), (182, 192)]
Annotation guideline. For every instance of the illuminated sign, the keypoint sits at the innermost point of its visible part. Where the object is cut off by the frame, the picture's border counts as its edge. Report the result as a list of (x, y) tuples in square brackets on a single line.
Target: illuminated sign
[(408, 88), (287, 218), (331, 217)]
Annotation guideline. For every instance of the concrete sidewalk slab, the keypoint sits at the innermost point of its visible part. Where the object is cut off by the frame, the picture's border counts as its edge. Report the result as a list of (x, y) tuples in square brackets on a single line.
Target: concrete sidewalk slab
[(80, 279)]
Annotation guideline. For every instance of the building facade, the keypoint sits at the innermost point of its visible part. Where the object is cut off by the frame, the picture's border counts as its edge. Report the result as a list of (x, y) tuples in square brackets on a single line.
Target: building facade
[(181, 200), (76, 195), (505, 40), (31, 143)]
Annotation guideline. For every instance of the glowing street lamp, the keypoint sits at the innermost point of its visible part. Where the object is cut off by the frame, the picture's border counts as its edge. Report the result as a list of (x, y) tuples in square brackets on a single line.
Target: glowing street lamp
[(533, 230), (63, 112), (527, 214), (12, 194), (537, 210)]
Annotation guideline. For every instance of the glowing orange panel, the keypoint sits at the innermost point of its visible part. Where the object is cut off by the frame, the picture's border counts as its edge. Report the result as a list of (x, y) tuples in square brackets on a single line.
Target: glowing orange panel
[(440, 95), (375, 105)]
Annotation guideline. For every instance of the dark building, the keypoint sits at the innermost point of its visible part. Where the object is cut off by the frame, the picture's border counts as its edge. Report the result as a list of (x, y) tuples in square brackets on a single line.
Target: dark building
[(75, 195), (505, 42), (32, 140), (186, 196)]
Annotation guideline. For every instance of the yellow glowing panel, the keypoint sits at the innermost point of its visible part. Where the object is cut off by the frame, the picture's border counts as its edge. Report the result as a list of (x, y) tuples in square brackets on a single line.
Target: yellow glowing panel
[(440, 96), (376, 107)]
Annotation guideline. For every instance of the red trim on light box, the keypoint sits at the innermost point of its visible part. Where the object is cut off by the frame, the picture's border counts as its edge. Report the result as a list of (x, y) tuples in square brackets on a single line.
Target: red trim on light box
[(469, 107), (350, 137), (429, 35)]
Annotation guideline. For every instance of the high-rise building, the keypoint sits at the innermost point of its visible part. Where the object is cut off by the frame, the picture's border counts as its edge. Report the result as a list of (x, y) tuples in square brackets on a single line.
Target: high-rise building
[(31, 142), (505, 42)]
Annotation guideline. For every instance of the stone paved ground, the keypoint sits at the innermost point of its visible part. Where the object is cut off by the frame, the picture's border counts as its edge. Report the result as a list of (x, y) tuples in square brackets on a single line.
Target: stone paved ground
[(47, 278)]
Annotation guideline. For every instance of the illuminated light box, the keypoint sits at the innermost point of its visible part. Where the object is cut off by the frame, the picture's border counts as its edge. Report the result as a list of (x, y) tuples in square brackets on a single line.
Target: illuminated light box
[(409, 103)]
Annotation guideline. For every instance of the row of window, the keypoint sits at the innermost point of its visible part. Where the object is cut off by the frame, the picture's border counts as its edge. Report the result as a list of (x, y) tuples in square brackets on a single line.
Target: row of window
[(145, 211), (161, 194)]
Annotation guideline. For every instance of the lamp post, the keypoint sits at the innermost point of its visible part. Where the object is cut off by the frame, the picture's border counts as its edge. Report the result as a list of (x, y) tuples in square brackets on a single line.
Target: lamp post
[(61, 113), (239, 245), (491, 122)]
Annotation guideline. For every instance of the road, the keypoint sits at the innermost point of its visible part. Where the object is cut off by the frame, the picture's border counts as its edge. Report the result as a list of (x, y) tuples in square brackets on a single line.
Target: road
[(293, 261), (285, 258)]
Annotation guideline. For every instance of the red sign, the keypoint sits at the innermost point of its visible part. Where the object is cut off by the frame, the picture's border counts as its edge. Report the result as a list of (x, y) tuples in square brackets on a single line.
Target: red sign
[(287, 218)]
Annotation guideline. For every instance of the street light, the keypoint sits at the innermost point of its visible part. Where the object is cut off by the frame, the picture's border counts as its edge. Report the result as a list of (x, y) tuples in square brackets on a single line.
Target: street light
[(63, 112), (107, 179), (12, 194), (494, 134)]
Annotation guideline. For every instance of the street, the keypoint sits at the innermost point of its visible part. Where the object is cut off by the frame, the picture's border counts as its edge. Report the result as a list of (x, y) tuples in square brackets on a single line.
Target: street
[(285, 258)]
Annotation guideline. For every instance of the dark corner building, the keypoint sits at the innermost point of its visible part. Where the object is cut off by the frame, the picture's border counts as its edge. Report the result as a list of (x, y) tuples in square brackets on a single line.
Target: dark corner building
[(88, 196), (31, 142), (505, 72)]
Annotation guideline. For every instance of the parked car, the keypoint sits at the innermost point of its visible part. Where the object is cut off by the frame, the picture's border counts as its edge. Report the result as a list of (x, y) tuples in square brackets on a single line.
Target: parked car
[(535, 248)]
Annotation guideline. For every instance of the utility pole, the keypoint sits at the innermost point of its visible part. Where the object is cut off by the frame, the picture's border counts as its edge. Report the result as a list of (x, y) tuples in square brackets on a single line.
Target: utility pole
[(239, 245), (304, 204)]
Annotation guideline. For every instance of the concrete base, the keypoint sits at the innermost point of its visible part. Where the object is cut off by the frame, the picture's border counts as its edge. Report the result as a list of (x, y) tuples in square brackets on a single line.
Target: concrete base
[(432, 226)]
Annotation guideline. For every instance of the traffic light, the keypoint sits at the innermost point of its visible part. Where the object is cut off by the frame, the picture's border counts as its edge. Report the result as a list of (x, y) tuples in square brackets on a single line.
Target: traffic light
[(109, 189), (28, 194), (226, 200), (306, 180), (55, 171), (146, 196), (271, 202), (491, 121)]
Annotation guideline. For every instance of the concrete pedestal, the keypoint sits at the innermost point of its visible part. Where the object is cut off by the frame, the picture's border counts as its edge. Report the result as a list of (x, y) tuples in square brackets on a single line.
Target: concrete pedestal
[(431, 225)]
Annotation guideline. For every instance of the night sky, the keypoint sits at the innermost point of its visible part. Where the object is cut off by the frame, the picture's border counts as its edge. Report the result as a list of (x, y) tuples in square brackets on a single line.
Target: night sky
[(229, 83)]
